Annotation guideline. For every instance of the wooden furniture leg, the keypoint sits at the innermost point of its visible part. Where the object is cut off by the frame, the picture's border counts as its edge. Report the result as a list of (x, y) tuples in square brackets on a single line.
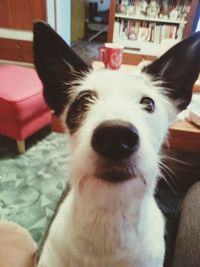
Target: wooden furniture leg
[(21, 146)]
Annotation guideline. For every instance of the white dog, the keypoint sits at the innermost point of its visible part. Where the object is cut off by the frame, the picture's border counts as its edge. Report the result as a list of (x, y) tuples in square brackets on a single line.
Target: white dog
[(117, 122)]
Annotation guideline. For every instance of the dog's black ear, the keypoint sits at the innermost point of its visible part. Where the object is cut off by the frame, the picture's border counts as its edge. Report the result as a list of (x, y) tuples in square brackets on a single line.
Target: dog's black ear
[(178, 68), (57, 65)]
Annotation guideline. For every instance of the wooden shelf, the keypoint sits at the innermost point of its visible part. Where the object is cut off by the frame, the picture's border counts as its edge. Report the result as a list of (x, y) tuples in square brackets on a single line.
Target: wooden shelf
[(139, 47), (144, 18), (133, 51)]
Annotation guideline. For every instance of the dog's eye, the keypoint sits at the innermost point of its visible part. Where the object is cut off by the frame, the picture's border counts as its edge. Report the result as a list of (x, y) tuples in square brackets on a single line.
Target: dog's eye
[(78, 109), (86, 96), (148, 104)]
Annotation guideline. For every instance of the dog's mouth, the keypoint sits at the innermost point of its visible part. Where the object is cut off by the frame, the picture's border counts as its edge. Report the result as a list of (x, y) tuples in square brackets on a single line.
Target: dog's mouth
[(115, 171)]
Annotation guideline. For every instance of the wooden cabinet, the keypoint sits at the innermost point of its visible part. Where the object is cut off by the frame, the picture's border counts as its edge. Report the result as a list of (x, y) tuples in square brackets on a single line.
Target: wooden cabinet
[(16, 23), (16, 50), (141, 31), (20, 14)]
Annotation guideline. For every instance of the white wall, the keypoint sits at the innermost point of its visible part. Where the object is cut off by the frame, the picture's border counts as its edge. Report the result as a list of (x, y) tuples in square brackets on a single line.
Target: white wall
[(59, 17), (50, 13)]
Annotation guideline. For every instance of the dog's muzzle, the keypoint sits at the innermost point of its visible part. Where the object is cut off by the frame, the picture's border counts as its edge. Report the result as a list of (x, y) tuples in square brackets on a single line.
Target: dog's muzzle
[(115, 140)]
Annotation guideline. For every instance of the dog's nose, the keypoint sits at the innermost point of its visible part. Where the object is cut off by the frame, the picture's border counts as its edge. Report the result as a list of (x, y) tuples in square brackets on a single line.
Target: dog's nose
[(115, 139)]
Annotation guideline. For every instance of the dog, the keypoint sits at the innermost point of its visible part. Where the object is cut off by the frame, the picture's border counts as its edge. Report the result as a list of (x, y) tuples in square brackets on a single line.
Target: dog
[(116, 122)]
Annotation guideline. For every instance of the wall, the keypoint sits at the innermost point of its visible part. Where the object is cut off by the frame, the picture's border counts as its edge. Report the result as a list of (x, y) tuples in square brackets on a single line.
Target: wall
[(59, 17)]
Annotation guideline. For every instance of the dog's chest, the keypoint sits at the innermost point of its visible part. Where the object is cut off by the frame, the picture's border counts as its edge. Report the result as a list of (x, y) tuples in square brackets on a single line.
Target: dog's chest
[(102, 233), (101, 238), (98, 237)]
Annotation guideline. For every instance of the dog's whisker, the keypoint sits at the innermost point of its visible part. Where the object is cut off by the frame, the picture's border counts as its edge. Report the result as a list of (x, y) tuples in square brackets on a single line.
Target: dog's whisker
[(167, 169), (172, 188), (173, 159), (170, 174), (170, 185)]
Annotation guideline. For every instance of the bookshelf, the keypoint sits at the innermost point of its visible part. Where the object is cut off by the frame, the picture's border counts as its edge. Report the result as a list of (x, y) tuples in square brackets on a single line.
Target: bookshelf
[(140, 25)]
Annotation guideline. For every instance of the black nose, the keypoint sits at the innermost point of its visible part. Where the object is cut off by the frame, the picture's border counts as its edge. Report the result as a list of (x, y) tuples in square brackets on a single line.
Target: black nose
[(115, 139)]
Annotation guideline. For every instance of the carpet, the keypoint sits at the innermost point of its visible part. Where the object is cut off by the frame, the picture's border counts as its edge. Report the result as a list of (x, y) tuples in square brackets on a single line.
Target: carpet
[(31, 184), (86, 50)]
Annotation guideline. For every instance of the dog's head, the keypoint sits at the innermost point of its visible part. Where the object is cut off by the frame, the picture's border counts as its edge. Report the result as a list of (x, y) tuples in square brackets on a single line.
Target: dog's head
[(116, 120)]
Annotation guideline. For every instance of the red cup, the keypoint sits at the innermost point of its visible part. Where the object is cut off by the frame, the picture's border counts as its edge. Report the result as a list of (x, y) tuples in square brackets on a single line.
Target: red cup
[(111, 54)]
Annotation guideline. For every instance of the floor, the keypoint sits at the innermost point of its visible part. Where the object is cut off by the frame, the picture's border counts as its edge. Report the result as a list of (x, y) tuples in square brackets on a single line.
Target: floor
[(88, 51), (29, 190)]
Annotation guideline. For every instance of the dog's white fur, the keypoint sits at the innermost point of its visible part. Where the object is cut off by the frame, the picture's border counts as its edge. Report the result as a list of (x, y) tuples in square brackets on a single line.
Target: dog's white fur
[(100, 224)]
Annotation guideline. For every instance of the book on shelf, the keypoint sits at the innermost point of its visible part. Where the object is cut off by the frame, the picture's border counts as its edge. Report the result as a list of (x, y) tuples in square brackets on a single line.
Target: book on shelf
[(146, 31), (144, 34), (155, 9)]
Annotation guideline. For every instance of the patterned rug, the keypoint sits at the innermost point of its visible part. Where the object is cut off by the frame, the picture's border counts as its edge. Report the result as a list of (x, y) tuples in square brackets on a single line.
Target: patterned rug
[(31, 184), (87, 51)]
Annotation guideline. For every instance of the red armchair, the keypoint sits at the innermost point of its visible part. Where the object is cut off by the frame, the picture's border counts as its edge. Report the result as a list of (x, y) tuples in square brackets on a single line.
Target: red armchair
[(22, 107)]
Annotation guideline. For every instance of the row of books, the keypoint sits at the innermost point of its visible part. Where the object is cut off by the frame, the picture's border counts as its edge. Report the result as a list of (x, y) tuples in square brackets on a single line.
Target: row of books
[(176, 9), (146, 31)]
